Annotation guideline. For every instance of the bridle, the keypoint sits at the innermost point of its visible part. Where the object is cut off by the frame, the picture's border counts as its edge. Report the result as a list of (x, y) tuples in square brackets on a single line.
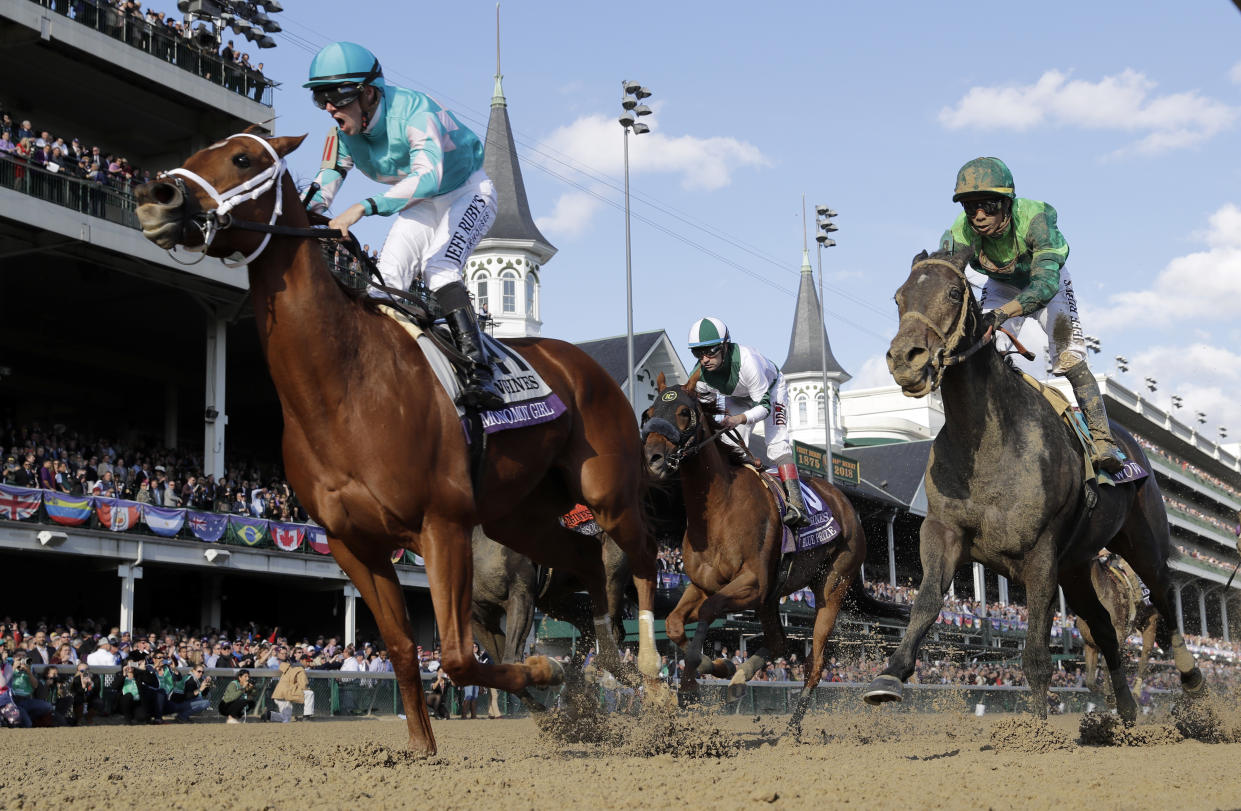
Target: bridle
[(682, 441), (210, 223), (949, 353)]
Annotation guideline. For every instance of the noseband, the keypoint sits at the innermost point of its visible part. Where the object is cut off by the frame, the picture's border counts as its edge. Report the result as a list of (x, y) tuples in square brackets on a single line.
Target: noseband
[(668, 401), (218, 219), (949, 353)]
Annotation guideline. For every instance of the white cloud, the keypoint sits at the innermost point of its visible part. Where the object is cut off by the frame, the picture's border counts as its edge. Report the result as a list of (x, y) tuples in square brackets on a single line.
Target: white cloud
[(571, 215), (1200, 286), (873, 374), (1235, 73), (593, 144), (1123, 102), (1208, 378)]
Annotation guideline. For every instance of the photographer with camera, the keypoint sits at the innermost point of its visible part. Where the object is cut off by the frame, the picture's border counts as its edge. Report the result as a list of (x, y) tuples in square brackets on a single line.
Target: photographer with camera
[(239, 697), (56, 693), (22, 684), (86, 691), (189, 699)]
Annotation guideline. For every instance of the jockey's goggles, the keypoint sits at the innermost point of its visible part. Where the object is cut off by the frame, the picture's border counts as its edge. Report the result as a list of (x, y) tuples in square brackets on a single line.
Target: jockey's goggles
[(989, 205), (341, 95), (707, 351)]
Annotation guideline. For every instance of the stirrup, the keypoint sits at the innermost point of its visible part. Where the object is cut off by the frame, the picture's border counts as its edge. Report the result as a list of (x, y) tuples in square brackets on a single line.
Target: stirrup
[(1109, 459), (794, 518), (479, 394)]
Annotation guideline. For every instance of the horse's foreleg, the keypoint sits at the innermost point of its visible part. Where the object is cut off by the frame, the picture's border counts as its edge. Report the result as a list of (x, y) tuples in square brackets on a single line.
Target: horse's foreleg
[(1039, 575), (449, 564), (1091, 655), (1080, 594), (1148, 642), (829, 598), (942, 550), (369, 568)]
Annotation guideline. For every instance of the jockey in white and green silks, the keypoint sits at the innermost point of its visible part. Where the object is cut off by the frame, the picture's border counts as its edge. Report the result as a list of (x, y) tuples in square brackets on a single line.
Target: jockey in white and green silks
[(1020, 249), (442, 199), (754, 391)]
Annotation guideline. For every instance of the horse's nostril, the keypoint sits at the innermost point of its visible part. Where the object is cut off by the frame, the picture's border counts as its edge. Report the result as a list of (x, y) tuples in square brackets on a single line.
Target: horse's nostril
[(914, 357), (165, 194)]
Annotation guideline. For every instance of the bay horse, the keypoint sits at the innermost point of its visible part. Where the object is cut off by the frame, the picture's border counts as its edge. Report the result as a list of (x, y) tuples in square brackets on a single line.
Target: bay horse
[(508, 586), (1005, 488), (375, 448), (731, 547), (1130, 612)]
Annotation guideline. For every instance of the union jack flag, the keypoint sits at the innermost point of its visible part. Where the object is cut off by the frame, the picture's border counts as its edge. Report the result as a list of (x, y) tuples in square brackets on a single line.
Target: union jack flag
[(18, 503)]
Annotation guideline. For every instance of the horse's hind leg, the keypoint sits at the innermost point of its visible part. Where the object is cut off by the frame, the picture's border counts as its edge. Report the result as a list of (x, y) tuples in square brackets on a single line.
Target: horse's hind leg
[(369, 567), (1080, 593), (942, 550), (686, 611)]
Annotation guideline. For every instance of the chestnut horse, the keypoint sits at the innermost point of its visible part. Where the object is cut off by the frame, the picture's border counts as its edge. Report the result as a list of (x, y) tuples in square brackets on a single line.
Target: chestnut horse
[(731, 548), (1121, 593), (374, 447), (1005, 488)]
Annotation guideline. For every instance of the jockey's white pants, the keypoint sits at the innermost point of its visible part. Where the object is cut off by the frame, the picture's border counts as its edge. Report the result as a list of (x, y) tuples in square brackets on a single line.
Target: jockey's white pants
[(776, 424), (1059, 320), (433, 238)]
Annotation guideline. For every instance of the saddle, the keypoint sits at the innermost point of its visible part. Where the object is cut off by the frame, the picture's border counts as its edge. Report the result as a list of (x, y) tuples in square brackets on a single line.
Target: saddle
[(823, 527)]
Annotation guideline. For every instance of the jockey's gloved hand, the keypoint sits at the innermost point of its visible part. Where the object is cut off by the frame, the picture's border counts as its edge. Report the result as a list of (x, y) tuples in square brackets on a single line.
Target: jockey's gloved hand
[(992, 321)]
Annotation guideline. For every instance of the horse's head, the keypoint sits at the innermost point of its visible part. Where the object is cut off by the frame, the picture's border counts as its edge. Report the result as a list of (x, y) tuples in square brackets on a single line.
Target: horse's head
[(675, 420), (938, 316), (238, 178)]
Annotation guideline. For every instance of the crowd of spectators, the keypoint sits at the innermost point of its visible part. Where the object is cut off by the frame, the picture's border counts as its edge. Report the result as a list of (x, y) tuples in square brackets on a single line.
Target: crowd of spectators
[(669, 559), (1198, 554), (162, 672), (170, 38), (65, 461), (1188, 469), (1215, 521)]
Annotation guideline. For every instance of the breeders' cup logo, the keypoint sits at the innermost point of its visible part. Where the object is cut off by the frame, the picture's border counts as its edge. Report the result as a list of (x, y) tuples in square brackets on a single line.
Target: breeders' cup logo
[(669, 396)]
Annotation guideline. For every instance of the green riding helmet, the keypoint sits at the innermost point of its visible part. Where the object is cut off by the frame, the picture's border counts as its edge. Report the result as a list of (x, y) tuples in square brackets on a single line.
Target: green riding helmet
[(984, 176), (707, 332), (344, 63)]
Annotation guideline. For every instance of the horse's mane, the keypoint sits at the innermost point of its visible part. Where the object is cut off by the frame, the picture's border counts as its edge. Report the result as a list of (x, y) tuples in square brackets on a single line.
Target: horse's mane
[(737, 457)]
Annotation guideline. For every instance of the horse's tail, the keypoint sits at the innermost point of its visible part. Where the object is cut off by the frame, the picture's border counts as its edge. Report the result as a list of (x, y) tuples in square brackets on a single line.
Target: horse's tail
[(858, 601)]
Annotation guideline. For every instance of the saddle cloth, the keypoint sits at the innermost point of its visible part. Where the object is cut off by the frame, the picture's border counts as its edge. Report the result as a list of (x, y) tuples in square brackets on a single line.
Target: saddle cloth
[(528, 399), (823, 528), (1072, 417)]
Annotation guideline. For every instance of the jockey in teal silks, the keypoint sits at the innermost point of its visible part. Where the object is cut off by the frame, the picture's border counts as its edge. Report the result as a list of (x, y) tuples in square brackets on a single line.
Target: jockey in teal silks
[(1021, 251), (442, 200), (754, 391)]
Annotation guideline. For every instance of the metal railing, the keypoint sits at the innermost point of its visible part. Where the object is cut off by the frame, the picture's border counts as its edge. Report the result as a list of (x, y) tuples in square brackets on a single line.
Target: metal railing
[(164, 43), (85, 196)]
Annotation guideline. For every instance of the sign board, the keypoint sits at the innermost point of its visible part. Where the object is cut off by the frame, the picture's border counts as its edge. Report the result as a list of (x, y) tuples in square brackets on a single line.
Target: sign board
[(809, 460)]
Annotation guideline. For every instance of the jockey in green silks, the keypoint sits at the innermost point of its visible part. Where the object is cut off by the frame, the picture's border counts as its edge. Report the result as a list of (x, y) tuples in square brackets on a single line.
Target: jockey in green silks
[(442, 200), (1018, 247), (754, 391)]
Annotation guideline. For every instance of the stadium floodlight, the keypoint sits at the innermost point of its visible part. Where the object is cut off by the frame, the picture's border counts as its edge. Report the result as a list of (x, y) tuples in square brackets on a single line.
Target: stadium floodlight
[(271, 26), (265, 42), (1152, 384), (640, 128), (824, 212), (631, 93), (823, 230), (241, 26), (1177, 402), (272, 6), (1202, 417)]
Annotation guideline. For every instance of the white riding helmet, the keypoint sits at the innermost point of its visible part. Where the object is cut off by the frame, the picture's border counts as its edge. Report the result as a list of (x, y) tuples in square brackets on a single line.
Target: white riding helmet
[(708, 332)]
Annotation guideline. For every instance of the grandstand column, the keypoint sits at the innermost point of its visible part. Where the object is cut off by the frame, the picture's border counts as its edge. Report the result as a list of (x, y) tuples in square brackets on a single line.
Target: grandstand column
[(1064, 622), (213, 416), (892, 549), (351, 614), (1223, 614), (129, 574), (980, 584), (1002, 582), (1202, 611), (1180, 611)]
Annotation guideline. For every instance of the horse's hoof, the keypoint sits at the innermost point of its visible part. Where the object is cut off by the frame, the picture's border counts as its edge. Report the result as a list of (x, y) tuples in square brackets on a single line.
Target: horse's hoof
[(1194, 683), (723, 669), (882, 690), (546, 672), (648, 663)]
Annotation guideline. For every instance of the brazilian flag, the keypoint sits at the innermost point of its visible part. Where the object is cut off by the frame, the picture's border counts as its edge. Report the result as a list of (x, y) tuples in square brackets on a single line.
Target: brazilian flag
[(249, 531)]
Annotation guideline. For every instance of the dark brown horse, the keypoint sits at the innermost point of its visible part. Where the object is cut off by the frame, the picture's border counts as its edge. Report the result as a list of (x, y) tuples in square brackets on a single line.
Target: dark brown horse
[(374, 446), (508, 586), (732, 544), (1120, 591), (1004, 487)]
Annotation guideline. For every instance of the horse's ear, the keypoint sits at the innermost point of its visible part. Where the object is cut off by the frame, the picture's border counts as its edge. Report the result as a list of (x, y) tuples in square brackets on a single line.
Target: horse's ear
[(692, 383), (286, 144), (962, 256), (920, 257), (661, 382)]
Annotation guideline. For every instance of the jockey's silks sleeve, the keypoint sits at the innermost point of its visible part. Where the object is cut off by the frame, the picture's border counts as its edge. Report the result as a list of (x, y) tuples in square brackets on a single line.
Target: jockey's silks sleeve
[(746, 377), (1028, 255), (335, 165), (412, 145)]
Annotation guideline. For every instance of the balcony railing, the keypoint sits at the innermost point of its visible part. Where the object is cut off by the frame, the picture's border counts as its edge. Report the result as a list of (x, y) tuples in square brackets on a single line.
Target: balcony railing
[(164, 43), (86, 196)]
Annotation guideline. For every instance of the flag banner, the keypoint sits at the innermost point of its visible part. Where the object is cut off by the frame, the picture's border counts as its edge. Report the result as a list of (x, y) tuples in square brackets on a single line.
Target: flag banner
[(250, 531), (207, 526), (398, 555), (288, 536), (163, 521), (316, 539), (19, 503), (117, 514), (72, 511)]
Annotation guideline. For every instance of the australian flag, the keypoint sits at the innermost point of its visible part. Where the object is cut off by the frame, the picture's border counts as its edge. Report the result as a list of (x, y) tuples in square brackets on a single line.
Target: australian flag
[(207, 526)]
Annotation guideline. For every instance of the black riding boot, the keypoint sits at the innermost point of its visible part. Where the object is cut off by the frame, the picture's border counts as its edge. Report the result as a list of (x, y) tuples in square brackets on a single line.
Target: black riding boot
[(1086, 390), (795, 513), (480, 392)]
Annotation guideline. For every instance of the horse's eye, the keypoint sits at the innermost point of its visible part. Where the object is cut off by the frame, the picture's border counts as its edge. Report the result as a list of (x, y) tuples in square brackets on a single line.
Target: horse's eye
[(955, 294), (241, 161)]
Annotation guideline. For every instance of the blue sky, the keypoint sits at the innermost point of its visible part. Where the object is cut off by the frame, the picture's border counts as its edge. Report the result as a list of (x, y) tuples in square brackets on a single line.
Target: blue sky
[(1124, 116)]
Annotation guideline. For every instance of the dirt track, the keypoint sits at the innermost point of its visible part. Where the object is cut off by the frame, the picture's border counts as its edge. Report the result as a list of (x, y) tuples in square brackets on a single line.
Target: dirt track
[(871, 759)]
